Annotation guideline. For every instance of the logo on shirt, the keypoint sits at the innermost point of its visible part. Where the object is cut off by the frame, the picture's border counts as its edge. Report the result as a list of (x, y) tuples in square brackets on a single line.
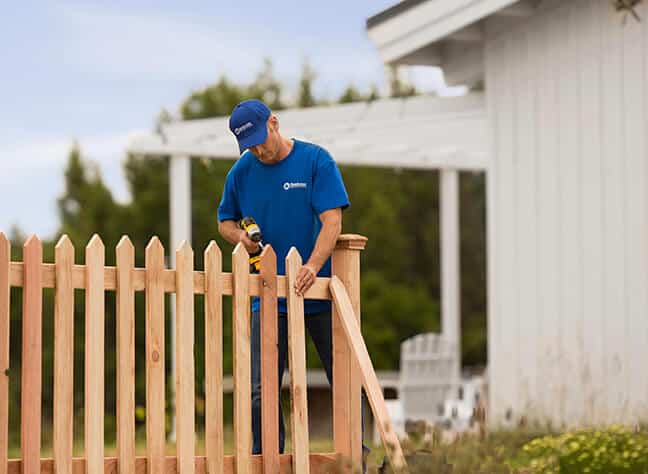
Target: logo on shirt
[(288, 186), (243, 128)]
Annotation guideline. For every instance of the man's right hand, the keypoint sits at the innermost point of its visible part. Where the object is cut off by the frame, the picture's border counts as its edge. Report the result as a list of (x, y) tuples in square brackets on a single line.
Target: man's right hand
[(249, 244)]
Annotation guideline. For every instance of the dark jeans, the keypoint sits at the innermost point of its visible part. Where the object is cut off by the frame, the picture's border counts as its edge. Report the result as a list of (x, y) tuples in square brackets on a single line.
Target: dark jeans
[(319, 328)]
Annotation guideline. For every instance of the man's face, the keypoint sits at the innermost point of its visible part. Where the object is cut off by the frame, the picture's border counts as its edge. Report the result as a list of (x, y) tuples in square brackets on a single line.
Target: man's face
[(268, 152)]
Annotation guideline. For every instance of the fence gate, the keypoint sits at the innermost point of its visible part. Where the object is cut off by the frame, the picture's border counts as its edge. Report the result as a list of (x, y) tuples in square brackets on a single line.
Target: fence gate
[(351, 361)]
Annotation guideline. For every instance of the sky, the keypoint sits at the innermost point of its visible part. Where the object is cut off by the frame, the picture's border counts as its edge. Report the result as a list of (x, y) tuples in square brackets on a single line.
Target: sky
[(96, 72)]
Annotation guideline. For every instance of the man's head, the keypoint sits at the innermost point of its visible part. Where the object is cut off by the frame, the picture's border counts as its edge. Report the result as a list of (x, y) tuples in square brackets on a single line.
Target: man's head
[(256, 129)]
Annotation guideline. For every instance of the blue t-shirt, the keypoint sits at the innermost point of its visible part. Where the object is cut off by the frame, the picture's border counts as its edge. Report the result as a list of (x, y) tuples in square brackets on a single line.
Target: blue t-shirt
[(286, 199)]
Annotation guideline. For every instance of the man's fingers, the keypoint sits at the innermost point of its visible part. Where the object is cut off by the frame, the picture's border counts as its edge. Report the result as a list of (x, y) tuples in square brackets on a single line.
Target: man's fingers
[(304, 280)]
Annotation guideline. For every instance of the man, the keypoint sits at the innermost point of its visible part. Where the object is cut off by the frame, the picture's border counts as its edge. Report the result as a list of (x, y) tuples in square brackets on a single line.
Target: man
[(294, 191)]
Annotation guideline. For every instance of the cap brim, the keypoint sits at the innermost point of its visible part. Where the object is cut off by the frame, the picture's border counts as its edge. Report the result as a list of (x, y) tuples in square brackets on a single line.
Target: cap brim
[(256, 138)]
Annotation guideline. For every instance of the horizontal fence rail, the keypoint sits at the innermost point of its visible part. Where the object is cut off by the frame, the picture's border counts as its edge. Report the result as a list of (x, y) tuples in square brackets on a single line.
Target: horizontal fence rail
[(95, 278)]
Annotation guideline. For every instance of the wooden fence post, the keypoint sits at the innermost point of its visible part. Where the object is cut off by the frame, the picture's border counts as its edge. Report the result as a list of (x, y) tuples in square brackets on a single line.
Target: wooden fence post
[(242, 369), (125, 253), (269, 357), (347, 385), (32, 332), (155, 375), (5, 286), (63, 437), (185, 379), (297, 365), (214, 448), (94, 355)]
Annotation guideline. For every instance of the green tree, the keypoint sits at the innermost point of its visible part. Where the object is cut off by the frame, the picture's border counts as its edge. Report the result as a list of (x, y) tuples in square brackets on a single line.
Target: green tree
[(266, 86), (216, 100), (351, 94), (398, 87), (305, 97), (87, 206)]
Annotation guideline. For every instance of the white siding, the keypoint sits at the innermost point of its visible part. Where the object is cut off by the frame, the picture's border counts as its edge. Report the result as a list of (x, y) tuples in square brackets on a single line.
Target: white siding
[(568, 230)]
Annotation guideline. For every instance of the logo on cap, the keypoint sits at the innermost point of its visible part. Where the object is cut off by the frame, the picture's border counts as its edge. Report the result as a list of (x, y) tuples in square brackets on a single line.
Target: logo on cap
[(242, 128)]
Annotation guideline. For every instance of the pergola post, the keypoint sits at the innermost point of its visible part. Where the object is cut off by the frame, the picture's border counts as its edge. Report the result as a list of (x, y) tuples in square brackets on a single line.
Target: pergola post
[(450, 261), (180, 218)]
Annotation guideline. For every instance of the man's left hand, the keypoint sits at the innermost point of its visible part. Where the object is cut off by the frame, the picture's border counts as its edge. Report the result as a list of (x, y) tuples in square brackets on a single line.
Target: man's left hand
[(305, 279)]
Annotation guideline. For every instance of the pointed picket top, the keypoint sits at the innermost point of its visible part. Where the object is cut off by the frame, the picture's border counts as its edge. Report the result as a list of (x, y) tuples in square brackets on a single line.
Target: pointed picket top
[(154, 248), (212, 250), (95, 243), (125, 247), (268, 253), (5, 250), (32, 242), (268, 266), (240, 254), (240, 249), (184, 249), (293, 256), (64, 254), (64, 244)]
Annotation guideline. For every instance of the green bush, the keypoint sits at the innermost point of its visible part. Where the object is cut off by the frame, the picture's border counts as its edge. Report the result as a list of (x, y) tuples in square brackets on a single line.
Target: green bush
[(611, 451)]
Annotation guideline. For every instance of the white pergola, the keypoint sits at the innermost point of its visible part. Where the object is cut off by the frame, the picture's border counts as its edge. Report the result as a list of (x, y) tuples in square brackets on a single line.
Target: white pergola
[(423, 132)]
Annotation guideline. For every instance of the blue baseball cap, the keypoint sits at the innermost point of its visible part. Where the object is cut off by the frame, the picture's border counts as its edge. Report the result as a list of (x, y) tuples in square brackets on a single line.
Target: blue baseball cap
[(248, 123)]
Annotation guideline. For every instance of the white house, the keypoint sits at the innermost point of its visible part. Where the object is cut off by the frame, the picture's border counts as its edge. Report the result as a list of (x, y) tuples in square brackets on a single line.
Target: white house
[(567, 105)]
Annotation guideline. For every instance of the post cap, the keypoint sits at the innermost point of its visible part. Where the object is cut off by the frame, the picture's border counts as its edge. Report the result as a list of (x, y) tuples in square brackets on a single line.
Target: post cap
[(351, 242)]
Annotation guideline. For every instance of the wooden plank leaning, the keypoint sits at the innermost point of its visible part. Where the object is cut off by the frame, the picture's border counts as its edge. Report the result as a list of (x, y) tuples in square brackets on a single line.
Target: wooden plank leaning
[(269, 362), (370, 381), (63, 436), (242, 375), (185, 379), (5, 265), (297, 365), (155, 410), (214, 447), (32, 333)]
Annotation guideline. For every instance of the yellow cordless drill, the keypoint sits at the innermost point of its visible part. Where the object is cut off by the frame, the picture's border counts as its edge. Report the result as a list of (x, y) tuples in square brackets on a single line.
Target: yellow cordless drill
[(249, 225)]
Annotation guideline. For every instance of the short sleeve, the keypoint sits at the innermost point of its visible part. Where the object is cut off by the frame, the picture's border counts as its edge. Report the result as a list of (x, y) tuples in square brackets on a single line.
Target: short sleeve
[(328, 188), (229, 208)]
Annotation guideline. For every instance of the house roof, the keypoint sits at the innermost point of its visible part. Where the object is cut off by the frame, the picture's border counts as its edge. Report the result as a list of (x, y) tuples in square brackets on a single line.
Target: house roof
[(391, 12), (423, 132), (445, 33)]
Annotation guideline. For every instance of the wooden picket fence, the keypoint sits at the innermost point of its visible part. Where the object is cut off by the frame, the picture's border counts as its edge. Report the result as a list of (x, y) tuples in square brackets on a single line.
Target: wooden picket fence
[(352, 366)]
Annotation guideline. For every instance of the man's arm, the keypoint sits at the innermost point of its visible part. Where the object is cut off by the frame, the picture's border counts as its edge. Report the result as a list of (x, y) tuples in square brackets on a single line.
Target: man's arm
[(324, 246), (234, 234)]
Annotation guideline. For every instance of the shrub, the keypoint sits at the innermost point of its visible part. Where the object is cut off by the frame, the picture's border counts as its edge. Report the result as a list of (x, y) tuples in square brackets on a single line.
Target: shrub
[(613, 450)]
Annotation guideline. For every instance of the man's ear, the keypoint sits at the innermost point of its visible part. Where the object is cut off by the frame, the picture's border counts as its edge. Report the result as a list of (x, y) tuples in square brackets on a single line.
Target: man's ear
[(274, 122)]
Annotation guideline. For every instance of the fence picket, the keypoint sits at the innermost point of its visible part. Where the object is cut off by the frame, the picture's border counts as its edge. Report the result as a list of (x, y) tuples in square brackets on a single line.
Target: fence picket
[(242, 376), (5, 265), (32, 333), (94, 355), (155, 414), (63, 357), (125, 254), (185, 380), (269, 362), (297, 364), (214, 447)]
